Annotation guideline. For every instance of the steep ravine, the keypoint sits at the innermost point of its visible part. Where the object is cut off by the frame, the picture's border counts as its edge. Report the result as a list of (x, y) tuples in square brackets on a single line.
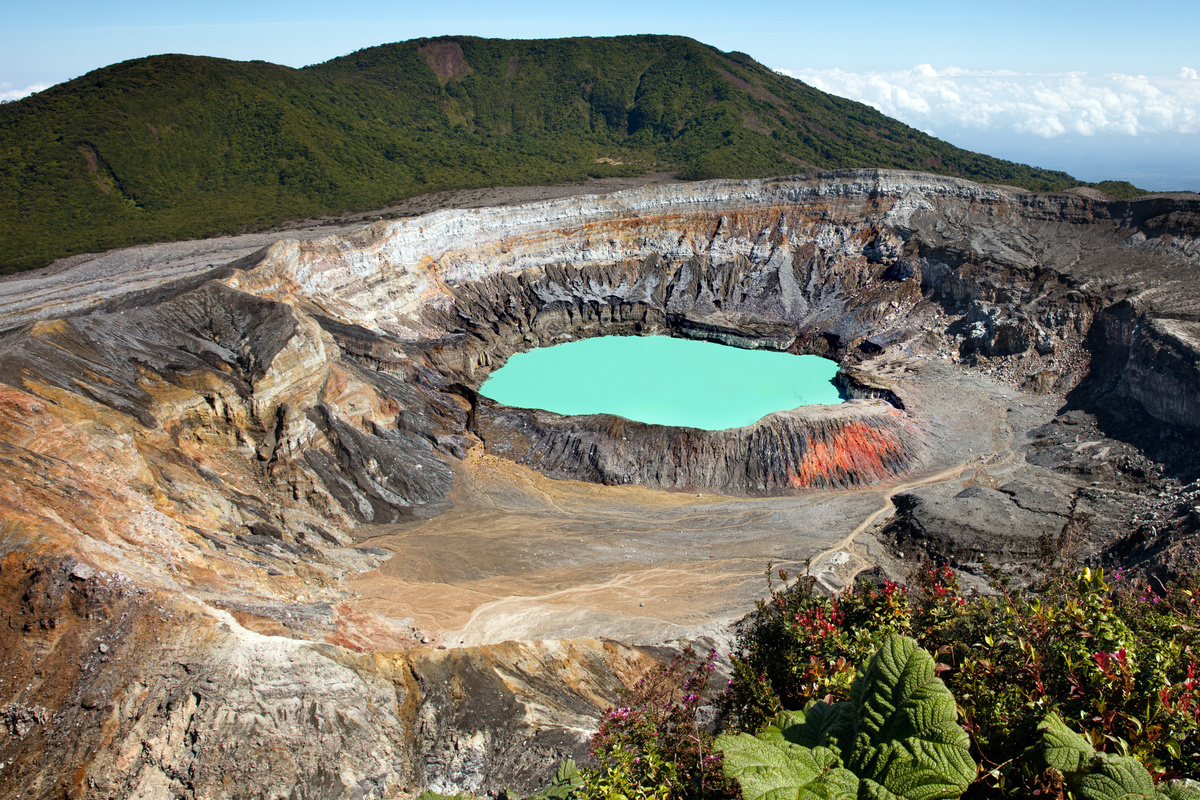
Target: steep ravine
[(243, 507)]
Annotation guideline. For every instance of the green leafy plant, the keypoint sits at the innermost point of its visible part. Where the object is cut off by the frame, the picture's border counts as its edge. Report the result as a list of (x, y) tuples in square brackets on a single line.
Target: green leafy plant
[(625, 774), (567, 783), (896, 737), (1090, 775), (1117, 661)]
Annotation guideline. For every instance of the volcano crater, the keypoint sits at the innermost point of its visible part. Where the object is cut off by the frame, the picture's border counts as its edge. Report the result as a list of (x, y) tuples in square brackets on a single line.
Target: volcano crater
[(230, 483), (862, 442)]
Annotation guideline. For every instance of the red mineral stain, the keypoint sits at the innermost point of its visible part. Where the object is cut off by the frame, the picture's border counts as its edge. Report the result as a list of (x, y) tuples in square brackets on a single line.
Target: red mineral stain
[(856, 453)]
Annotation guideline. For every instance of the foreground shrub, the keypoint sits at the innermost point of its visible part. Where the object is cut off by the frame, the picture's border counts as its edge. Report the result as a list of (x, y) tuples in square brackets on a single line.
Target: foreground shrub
[(799, 646), (1112, 671), (897, 736), (1117, 665), (653, 747), (1080, 651)]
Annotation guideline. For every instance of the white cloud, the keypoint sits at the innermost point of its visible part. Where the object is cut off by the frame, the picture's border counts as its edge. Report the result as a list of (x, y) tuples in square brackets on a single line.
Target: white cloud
[(1045, 105), (7, 93)]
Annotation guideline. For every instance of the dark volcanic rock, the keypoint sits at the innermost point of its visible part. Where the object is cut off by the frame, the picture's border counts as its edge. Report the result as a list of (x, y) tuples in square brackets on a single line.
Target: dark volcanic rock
[(958, 529), (862, 442)]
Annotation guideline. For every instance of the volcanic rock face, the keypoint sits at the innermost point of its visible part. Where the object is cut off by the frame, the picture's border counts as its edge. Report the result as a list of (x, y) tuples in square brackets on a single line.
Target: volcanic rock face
[(185, 463), (862, 442), (138, 696)]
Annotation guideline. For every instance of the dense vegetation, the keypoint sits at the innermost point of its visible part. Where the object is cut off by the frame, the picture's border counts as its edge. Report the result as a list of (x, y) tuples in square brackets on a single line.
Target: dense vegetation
[(897, 736), (174, 146), (1078, 689)]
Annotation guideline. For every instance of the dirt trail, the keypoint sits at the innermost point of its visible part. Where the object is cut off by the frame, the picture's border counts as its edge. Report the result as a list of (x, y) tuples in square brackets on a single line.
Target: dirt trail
[(858, 561), (1000, 435)]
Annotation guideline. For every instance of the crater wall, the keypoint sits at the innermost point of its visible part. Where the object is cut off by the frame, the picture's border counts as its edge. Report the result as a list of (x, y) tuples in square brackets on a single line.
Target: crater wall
[(860, 443), (185, 462)]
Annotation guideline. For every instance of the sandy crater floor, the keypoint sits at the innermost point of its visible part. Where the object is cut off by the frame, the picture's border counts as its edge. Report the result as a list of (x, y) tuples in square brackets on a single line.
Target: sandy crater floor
[(521, 556)]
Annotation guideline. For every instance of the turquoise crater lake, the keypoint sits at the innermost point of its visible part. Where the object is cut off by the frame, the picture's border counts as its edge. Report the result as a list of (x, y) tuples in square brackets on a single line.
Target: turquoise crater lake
[(663, 381)]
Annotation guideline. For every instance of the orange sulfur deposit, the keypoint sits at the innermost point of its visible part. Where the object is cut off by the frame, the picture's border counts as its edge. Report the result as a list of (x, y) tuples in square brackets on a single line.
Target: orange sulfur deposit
[(855, 453)]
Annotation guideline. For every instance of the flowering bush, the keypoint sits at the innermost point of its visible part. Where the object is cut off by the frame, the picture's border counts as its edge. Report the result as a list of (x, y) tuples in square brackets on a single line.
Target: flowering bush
[(653, 746), (799, 646), (1091, 655), (1117, 665)]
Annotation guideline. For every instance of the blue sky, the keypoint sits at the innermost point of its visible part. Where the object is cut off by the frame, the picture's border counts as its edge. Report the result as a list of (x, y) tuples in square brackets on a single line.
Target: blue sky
[(1098, 88)]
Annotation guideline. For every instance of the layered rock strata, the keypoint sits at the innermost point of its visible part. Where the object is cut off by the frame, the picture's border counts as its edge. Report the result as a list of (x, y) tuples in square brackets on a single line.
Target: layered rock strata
[(145, 694)]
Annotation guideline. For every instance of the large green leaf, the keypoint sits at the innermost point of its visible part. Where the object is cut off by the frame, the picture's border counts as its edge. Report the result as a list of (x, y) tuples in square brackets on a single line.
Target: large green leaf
[(1180, 790), (780, 728), (899, 738), (870, 790), (1102, 776), (1063, 748), (907, 737), (780, 770), (820, 725), (1117, 778)]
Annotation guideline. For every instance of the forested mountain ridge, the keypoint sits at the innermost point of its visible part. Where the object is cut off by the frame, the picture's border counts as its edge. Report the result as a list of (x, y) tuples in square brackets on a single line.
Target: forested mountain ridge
[(174, 146)]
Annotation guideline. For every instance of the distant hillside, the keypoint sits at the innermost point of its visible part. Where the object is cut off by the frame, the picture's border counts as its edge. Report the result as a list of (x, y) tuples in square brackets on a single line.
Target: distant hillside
[(174, 146)]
